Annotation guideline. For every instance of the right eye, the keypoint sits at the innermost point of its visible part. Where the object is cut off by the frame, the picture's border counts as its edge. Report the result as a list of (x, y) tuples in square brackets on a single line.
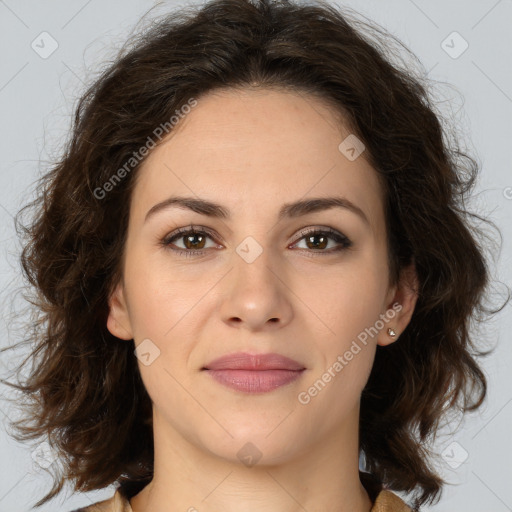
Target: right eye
[(193, 239)]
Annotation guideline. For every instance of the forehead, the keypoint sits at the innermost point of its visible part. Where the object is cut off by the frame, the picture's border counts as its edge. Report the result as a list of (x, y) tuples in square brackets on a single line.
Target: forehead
[(257, 148)]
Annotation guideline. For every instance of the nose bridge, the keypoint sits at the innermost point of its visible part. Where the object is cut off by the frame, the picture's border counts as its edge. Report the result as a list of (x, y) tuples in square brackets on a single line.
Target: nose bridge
[(256, 292), (254, 262), (254, 266)]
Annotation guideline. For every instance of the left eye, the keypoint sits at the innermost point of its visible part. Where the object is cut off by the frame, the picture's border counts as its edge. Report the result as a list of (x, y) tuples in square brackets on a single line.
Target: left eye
[(319, 240)]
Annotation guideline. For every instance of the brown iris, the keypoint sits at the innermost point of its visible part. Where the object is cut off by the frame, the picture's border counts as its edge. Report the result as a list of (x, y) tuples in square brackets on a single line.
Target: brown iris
[(320, 245), (189, 239)]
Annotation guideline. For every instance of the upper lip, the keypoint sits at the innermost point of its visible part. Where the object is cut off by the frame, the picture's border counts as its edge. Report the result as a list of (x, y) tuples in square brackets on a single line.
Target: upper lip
[(245, 361)]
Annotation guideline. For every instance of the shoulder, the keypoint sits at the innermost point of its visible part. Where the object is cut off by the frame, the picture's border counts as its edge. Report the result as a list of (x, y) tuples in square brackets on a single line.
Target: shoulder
[(117, 503), (389, 502), (386, 502)]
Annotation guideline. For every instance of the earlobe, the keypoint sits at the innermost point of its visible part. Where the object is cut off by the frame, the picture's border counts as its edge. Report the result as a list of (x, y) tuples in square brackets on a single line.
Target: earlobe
[(403, 304), (118, 321)]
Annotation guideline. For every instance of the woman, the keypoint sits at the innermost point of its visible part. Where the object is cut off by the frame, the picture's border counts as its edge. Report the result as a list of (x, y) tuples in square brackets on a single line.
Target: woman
[(254, 269)]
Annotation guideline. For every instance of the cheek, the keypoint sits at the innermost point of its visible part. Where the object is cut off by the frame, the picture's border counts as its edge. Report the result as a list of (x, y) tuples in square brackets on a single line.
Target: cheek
[(164, 311), (161, 298), (347, 304), (346, 298)]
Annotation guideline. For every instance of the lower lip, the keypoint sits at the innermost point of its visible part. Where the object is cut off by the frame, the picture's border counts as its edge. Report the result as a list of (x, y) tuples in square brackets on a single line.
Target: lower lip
[(255, 381)]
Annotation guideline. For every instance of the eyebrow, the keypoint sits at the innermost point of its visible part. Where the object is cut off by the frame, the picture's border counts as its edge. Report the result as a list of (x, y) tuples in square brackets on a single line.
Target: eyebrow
[(289, 210)]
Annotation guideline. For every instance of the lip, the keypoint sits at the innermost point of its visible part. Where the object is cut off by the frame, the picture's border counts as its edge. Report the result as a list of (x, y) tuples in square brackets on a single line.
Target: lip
[(246, 361), (254, 373)]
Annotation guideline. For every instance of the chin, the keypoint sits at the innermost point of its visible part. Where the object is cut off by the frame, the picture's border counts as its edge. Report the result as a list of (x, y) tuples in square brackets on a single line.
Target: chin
[(254, 446)]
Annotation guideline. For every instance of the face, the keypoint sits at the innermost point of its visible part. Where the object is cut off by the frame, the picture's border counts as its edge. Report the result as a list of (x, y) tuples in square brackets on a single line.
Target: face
[(258, 275)]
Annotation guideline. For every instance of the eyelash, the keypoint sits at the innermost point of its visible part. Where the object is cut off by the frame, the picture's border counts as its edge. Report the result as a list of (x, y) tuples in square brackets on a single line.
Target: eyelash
[(199, 230)]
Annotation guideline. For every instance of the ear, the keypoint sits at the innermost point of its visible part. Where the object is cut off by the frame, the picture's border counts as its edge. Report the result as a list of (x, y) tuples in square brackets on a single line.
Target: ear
[(402, 300), (118, 321)]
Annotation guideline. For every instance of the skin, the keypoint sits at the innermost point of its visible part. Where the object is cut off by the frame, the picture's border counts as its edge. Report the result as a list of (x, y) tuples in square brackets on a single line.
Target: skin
[(252, 150)]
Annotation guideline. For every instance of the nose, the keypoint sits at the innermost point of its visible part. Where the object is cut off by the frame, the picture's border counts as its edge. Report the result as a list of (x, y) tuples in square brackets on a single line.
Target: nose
[(257, 295)]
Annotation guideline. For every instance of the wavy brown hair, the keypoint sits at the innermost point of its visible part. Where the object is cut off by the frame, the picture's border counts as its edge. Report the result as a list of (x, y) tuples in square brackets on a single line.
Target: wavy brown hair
[(84, 392)]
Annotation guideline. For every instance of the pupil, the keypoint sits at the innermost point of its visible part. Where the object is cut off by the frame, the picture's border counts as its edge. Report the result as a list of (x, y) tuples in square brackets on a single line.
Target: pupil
[(322, 244), (189, 240)]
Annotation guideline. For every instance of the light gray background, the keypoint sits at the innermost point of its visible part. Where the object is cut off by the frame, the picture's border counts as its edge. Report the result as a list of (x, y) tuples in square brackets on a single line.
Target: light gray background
[(36, 99)]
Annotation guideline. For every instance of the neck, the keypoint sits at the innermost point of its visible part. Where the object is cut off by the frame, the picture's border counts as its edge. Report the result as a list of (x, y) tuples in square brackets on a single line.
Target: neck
[(187, 478)]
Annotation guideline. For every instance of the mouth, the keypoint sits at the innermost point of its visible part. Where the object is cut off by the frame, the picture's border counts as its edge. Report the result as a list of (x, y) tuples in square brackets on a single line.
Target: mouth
[(254, 373), (255, 381)]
